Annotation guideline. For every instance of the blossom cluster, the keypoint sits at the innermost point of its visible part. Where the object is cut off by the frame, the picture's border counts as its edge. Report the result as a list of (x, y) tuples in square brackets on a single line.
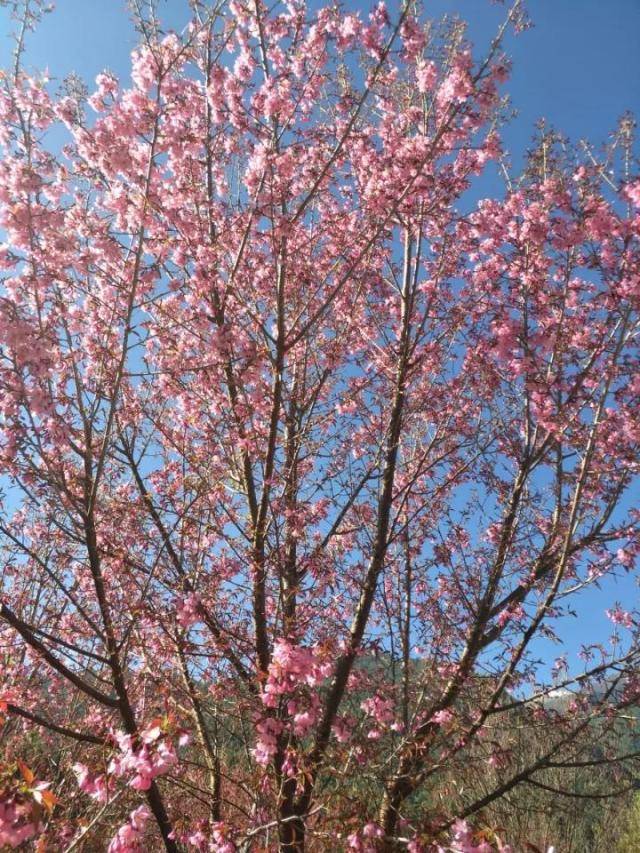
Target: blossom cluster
[(293, 666), (17, 824), (130, 837), (24, 803)]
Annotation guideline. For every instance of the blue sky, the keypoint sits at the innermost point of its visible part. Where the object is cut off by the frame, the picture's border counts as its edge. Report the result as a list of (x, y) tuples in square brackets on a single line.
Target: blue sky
[(578, 67)]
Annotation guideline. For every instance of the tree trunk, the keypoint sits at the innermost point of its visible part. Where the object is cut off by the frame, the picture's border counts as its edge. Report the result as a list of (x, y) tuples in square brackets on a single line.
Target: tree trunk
[(291, 811), (291, 832), (159, 811)]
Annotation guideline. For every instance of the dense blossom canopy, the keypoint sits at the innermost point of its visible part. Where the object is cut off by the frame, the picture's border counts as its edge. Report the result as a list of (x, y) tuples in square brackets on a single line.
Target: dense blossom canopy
[(301, 447)]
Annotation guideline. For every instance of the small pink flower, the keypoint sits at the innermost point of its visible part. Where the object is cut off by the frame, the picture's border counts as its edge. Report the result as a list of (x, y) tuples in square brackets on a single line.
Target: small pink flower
[(442, 717)]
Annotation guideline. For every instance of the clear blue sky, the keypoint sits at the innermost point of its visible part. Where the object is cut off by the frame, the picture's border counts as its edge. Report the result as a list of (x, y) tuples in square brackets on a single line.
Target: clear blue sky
[(579, 67)]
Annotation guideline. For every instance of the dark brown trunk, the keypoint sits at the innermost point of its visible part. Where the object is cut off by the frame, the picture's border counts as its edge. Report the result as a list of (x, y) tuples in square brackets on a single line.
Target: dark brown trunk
[(291, 833)]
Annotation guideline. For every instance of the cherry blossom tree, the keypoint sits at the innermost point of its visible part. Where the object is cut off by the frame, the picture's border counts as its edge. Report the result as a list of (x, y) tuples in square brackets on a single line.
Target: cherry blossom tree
[(301, 449)]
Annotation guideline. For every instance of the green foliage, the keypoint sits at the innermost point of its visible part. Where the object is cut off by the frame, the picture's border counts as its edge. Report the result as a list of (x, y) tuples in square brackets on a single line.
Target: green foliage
[(629, 841)]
